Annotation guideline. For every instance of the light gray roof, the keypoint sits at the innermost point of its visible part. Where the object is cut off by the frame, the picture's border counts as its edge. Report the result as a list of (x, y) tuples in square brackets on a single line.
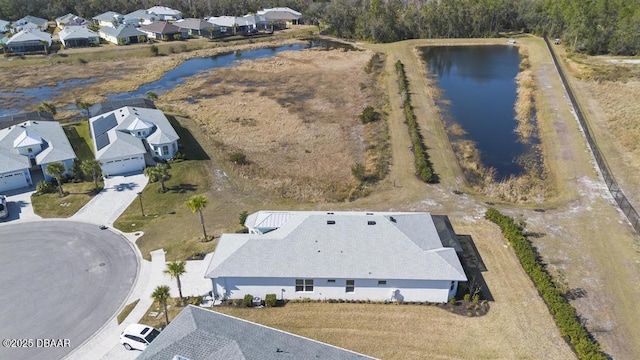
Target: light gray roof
[(112, 137), (3, 25), (356, 245), (200, 334), (56, 146), (108, 16), (30, 35), (122, 31), (280, 13), (76, 32), (71, 19), (30, 20), (141, 15), (194, 24), (226, 21)]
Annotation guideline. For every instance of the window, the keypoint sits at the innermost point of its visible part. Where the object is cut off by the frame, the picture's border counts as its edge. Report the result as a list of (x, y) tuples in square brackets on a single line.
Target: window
[(165, 150), (453, 284), (382, 282), (331, 281), (351, 286), (305, 285), (29, 150)]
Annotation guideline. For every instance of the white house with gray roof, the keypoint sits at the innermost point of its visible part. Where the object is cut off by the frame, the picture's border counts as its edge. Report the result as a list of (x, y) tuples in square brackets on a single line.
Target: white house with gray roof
[(29, 22), (28, 145), (200, 334), (29, 40), (165, 13), (122, 138), (4, 26), (109, 18), (123, 34), (78, 36), (381, 256)]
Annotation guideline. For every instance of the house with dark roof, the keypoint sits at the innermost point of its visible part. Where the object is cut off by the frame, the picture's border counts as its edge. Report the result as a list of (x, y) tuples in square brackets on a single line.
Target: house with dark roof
[(29, 22), (197, 27), (78, 36), (381, 256), (162, 30), (28, 146), (122, 138), (123, 34), (200, 334), (29, 40)]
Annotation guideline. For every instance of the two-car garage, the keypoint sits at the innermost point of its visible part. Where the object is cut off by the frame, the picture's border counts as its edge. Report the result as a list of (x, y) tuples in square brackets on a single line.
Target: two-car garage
[(14, 180), (123, 165)]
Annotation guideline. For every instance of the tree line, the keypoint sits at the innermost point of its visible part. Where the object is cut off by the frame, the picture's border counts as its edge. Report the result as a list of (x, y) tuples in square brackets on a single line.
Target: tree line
[(593, 26)]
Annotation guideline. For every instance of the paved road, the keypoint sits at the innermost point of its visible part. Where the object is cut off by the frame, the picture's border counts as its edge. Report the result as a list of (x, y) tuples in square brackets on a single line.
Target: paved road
[(60, 280)]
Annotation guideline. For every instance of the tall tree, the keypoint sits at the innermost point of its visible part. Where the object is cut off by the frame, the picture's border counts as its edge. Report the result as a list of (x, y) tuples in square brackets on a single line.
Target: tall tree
[(92, 167), (84, 105), (175, 269), (161, 294), (197, 203), (57, 170)]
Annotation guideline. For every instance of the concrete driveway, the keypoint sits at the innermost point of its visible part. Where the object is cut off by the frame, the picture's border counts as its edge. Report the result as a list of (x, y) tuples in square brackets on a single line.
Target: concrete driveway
[(60, 280), (20, 207), (117, 195)]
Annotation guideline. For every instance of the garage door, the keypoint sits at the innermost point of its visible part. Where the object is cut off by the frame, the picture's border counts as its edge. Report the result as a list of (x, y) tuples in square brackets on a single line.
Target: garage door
[(123, 166), (12, 181)]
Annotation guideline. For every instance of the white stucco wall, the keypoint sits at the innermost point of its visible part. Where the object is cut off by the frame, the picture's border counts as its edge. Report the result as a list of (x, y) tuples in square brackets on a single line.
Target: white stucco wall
[(365, 289)]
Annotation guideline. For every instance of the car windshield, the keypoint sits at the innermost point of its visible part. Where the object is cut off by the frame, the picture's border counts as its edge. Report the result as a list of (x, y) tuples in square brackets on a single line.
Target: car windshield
[(152, 335)]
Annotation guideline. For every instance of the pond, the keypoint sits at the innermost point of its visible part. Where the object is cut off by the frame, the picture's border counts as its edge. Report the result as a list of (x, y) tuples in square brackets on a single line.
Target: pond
[(17, 101), (479, 93)]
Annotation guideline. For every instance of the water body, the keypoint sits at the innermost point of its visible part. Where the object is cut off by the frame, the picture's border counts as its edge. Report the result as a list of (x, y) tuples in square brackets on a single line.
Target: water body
[(479, 82), (15, 102)]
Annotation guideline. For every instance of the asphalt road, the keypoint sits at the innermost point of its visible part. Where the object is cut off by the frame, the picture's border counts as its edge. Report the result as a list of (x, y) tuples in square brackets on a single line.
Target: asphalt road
[(59, 280)]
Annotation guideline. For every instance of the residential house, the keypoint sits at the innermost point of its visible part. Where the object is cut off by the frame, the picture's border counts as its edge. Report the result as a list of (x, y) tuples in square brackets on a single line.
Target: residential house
[(110, 18), (78, 36), (107, 106), (4, 26), (165, 13), (10, 120), (387, 256), (31, 145), (162, 30), (122, 138), (29, 22), (202, 334), (281, 15), (227, 24), (71, 20), (29, 40), (123, 34), (141, 17), (197, 27)]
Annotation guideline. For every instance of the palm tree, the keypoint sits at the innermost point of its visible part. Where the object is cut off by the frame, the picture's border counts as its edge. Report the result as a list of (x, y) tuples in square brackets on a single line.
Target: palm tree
[(84, 105), (159, 173), (92, 167), (175, 269), (57, 169), (161, 295), (198, 203)]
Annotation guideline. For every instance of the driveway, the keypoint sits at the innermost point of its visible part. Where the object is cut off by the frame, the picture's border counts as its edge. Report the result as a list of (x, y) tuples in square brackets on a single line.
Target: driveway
[(60, 280), (118, 193), (20, 208)]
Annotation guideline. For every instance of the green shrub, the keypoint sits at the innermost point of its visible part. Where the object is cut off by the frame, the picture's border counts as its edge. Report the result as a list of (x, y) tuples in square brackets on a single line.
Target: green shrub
[(563, 313), (243, 217), (270, 300), (238, 158), (154, 50), (195, 300), (369, 115), (248, 300), (45, 187)]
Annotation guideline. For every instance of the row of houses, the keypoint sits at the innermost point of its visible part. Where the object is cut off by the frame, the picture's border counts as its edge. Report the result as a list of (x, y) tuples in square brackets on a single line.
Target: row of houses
[(125, 140), (159, 23)]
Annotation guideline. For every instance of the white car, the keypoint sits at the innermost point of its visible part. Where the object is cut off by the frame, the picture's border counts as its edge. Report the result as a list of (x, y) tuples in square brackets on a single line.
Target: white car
[(4, 210), (138, 336)]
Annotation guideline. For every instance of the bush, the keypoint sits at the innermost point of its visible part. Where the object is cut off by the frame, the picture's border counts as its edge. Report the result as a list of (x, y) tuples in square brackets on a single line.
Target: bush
[(563, 313), (369, 115), (154, 50), (248, 300), (45, 187), (195, 300), (238, 158), (270, 300)]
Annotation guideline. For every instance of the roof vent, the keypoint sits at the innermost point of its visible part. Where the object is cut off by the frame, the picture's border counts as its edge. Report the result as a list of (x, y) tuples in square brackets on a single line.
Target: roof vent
[(369, 213), (331, 222), (329, 213), (392, 219), (371, 222)]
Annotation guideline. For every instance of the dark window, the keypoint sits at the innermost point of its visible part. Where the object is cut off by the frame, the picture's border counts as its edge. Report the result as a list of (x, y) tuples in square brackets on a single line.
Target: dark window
[(382, 282), (308, 285), (165, 150), (331, 281), (299, 285), (453, 283), (305, 285), (351, 286)]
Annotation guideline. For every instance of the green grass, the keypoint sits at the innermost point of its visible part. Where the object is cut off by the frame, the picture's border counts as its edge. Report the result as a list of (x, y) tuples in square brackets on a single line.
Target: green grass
[(54, 206), (80, 139), (126, 311)]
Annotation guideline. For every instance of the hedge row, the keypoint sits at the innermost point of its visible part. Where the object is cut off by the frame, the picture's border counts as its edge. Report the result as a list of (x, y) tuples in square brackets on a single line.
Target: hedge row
[(421, 162), (563, 313)]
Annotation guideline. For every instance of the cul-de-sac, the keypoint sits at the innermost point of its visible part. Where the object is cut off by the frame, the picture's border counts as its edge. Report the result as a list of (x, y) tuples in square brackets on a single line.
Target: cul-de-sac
[(347, 179)]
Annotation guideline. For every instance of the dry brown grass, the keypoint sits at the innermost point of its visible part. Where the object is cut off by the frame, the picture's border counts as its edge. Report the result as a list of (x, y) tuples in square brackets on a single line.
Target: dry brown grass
[(294, 116)]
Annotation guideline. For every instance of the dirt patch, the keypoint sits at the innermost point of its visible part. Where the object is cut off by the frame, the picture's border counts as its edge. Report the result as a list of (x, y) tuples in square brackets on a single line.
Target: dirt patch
[(294, 116)]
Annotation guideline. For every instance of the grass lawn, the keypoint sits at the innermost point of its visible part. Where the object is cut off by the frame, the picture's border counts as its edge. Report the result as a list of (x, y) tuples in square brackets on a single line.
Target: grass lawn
[(80, 139), (157, 320), (54, 206)]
